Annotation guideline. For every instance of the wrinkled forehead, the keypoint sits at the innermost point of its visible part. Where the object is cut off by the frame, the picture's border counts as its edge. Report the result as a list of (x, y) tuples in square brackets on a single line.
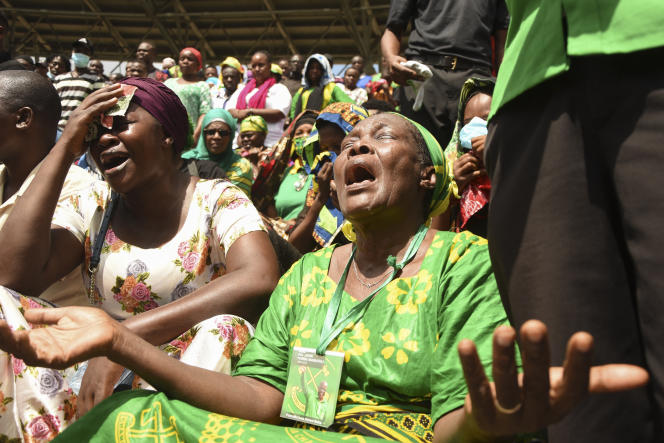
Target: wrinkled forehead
[(395, 122)]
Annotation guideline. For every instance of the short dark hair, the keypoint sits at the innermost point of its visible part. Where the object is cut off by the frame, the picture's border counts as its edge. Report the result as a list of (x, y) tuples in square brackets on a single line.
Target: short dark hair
[(137, 60), (29, 89), (379, 105), (64, 58), (266, 53)]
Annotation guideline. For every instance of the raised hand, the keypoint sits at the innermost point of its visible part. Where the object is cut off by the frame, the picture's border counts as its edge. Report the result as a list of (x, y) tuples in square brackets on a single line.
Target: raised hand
[(89, 109), (70, 335), (542, 395)]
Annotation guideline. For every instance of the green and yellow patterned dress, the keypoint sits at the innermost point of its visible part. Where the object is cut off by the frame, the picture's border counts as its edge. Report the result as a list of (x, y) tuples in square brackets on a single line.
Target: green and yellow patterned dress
[(401, 372)]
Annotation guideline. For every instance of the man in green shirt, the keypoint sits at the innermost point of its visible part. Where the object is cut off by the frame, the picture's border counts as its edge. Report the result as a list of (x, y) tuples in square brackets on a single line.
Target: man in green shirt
[(575, 154)]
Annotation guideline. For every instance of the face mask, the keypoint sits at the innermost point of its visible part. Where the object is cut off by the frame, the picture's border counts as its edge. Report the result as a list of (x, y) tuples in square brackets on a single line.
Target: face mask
[(475, 128), (50, 75), (80, 60)]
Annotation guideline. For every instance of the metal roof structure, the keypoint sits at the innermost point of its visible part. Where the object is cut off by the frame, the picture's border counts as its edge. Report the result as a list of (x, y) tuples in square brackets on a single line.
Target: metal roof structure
[(218, 28)]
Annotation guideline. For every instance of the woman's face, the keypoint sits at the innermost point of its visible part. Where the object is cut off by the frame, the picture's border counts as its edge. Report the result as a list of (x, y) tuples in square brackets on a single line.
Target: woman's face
[(57, 66), (133, 150), (303, 130), (260, 67), (329, 136), (217, 137), (378, 169), (252, 139), (188, 63), (314, 72)]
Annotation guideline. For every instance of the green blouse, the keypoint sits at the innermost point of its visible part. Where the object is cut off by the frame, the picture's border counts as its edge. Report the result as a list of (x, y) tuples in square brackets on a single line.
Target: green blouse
[(401, 356)]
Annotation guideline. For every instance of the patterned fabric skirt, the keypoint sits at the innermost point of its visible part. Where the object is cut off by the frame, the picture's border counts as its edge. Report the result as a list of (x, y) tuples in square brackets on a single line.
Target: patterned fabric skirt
[(142, 416), (36, 404)]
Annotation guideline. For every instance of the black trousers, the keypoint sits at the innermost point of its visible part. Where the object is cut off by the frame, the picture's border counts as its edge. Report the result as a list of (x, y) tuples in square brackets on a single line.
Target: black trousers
[(441, 100), (576, 227)]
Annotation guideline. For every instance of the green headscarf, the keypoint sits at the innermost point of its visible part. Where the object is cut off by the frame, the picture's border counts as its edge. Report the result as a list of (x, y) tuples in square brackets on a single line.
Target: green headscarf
[(440, 198), (253, 123), (200, 152)]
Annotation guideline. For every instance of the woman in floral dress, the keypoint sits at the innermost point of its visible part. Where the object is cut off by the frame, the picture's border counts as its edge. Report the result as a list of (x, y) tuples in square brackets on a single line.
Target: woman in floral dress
[(177, 250), (421, 293)]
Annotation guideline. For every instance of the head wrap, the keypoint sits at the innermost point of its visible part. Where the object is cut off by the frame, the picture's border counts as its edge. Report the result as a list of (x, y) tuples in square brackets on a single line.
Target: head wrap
[(276, 69), (226, 158), (196, 53), (328, 75), (253, 123), (344, 115), (232, 62), (162, 103)]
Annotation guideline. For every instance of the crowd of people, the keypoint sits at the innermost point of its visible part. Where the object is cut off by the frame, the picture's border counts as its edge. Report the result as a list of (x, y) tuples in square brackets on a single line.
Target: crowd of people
[(264, 250)]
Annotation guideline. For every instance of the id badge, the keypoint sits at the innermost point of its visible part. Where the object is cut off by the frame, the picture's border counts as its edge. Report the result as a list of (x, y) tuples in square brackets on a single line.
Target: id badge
[(312, 387)]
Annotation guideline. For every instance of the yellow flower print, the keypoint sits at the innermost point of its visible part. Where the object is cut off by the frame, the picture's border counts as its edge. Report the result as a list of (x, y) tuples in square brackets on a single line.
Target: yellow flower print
[(314, 288), (435, 245), (461, 243), (399, 344), (288, 296), (301, 331), (353, 340), (406, 297)]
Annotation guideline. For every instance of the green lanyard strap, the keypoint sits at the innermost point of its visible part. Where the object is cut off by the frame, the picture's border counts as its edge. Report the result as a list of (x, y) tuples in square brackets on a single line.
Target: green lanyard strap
[(330, 329)]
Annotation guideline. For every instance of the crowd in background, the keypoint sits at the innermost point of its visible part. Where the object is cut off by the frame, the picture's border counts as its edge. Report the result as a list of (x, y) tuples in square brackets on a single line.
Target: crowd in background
[(226, 214)]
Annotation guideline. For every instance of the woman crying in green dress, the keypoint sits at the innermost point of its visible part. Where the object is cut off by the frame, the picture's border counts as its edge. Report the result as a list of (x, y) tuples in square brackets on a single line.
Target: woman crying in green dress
[(413, 314)]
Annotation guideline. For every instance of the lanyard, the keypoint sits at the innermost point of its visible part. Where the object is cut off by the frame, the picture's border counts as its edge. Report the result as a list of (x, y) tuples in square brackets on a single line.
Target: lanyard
[(331, 329)]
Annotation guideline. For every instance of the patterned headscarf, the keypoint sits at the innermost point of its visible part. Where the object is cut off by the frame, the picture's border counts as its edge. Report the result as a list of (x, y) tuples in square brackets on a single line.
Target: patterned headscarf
[(344, 115), (253, 123), (328, 75), (226, 158)]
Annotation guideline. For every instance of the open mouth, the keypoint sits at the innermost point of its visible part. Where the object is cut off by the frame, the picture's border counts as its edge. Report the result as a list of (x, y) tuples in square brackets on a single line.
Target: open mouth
[(358, 174), (113, 161)]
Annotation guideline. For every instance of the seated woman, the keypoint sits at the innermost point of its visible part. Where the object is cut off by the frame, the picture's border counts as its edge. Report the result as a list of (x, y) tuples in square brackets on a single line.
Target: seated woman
[(465, 152), (216, 145), (320, 221), (158, 249), (318, 87), (253, 131), (397, 317)]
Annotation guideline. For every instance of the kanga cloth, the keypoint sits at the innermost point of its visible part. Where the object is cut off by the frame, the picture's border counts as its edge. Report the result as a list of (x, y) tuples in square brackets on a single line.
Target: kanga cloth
[(36, 404), (402, 371), (144, 416)]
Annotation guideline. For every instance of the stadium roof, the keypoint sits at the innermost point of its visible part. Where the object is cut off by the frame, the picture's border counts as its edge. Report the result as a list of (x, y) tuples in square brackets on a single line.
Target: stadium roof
[(218, 28)]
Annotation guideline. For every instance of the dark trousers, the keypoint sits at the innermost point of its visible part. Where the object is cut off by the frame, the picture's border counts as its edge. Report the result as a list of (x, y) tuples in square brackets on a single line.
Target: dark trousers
[(441, 100), (576, 227)]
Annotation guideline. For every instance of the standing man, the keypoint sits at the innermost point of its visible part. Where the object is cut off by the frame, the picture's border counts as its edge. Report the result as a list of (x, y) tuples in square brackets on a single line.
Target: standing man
[(453, 38), (287, 79), (147, 52), (97, 67), (357, 63), (136, 68), (231, 77), (296, 67), (74, 86), (575, 157)]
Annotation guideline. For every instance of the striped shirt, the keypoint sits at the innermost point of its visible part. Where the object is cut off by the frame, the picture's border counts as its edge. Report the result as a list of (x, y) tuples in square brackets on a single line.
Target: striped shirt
[(72, 90)]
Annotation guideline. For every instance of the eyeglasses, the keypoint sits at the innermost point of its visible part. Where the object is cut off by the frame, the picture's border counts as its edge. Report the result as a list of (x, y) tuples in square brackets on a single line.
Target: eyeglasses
[(221, 132)]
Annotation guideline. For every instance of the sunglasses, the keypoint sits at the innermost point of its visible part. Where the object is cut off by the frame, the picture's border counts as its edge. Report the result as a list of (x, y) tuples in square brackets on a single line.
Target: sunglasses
[(221, 132)]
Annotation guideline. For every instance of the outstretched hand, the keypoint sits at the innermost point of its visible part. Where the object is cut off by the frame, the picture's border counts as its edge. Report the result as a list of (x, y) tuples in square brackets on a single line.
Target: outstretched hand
[(519, 403), (71, 335)]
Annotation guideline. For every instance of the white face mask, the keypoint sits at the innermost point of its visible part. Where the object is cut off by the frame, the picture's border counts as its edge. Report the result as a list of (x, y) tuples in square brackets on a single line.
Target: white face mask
[(80, 60)]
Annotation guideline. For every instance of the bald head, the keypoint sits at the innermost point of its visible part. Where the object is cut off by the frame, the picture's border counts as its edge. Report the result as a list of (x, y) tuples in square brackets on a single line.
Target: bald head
[(27, 89)]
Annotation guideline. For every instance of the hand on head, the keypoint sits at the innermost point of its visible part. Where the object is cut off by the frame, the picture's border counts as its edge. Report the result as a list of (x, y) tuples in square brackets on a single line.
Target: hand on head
[(542, 395)]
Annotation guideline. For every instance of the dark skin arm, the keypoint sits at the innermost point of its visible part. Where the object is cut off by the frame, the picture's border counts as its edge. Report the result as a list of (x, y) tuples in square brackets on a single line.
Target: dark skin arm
[(500, 37), (301, 237), (390, 45), (546, 394), (270, 115), (34, 255)]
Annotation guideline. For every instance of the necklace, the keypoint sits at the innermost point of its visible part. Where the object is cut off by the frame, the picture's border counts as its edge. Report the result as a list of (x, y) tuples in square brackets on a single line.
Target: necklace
[(364, 283)]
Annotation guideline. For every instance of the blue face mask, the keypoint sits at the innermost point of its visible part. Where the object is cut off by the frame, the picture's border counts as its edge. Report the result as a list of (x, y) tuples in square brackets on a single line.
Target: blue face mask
[(50, 75), (80, 60), (475, 128)]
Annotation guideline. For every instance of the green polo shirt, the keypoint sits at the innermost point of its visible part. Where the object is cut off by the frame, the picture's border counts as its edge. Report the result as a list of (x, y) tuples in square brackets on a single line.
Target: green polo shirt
[(536, 47)]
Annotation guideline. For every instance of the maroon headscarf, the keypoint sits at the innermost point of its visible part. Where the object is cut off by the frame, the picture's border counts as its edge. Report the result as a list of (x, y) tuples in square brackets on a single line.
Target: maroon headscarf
[(162, 103)]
